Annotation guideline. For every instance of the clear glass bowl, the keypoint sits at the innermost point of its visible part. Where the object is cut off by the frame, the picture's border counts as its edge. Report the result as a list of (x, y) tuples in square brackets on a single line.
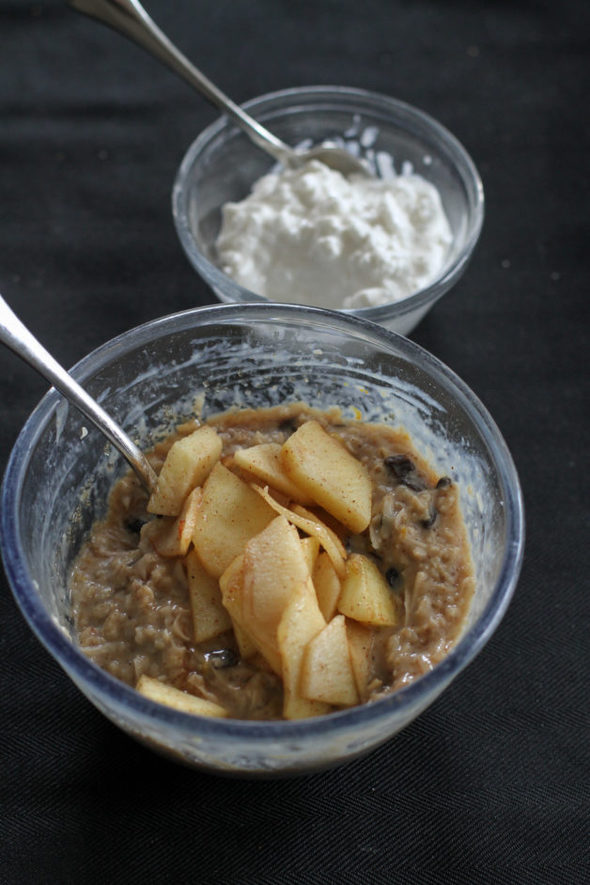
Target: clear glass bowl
[(58, 478), (222, 165)]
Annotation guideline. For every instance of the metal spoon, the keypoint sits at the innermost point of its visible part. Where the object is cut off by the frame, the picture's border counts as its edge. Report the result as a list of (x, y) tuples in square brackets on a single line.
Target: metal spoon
[(130, 18), (17, 337)]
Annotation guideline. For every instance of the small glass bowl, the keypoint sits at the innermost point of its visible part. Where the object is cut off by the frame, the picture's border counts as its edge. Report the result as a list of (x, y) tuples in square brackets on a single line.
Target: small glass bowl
[(59, 476), (222, 164)]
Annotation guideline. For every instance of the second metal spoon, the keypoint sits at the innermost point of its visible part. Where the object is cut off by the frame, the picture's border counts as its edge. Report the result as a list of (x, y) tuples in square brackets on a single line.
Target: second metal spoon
[(130, 18), (15, 335)]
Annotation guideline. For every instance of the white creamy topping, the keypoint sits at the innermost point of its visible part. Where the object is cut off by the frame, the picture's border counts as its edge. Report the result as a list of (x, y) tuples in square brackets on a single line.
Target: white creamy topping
[(312, 236)]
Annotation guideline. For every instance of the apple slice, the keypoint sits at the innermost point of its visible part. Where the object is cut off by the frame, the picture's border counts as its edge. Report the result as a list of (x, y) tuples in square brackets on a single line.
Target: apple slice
[(311, 549), (274, 565), (360, 646), (321, 529), (301, 621), (231, 587), (188, 463), (321, 466), (230, 514), (326, 669), (310, 524), (264, 462), (210, 618), (366, 596), (327, 586), (230, 583), (173, 537), (179, 700)]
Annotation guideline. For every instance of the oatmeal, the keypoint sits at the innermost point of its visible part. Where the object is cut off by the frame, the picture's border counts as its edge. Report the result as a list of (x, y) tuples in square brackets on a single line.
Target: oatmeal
[(289, 564)]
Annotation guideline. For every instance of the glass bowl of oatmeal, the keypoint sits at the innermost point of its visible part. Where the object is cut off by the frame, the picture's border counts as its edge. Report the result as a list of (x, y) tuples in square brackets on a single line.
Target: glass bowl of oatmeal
[(260, 356), (386, 257)]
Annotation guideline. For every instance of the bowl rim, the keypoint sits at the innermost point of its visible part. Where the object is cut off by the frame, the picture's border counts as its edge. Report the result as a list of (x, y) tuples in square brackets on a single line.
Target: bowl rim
[(120, 695), (463, 162)]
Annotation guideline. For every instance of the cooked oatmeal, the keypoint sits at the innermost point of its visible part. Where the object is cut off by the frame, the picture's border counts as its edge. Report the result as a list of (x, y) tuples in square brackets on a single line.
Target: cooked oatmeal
[(132, 605)]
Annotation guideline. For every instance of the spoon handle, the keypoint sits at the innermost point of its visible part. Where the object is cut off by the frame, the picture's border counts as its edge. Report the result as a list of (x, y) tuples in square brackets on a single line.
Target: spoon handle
[(130, 18), (17, 337)]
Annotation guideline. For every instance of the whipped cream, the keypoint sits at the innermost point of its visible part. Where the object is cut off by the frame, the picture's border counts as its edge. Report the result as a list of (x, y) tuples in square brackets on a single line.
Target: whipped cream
[(312, 236)]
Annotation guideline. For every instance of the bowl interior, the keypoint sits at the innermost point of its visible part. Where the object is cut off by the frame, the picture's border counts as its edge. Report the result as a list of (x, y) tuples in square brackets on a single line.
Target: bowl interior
[(223, 357)]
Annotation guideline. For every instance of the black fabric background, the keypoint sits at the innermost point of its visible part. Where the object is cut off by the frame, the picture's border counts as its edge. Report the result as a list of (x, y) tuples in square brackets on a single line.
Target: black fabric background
[(491, 784)]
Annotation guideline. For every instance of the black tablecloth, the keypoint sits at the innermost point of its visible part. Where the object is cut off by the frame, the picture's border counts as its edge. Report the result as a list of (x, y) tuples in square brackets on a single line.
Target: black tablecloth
[(491, 784)]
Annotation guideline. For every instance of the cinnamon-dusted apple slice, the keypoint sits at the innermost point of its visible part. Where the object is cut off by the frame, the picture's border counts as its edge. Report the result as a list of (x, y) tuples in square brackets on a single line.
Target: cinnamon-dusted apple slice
[(312, 517), (187, 465), (366, 596), (310, 524), (327, 585), (179, 700), (360, 646), (264, 463), (311, 550), (326, 669), (274, 565), (230, 514), (231, 584), (300, 622), (210, 617), (231, 587), (173, 537), (321, 466)]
